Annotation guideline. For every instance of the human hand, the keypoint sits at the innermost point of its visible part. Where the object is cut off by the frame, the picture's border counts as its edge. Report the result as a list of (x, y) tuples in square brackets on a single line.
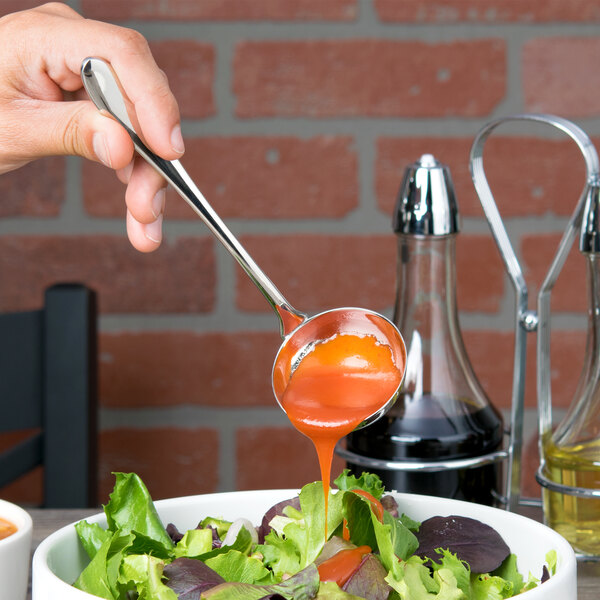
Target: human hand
[(44, 110)]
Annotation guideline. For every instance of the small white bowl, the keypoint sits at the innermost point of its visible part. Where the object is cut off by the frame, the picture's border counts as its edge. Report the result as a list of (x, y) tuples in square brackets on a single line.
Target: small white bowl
[(60, 558), (15, 553)]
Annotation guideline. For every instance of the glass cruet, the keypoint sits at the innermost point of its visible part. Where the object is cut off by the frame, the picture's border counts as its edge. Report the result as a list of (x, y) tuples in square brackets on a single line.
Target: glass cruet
[(442, 419), (570, 471)]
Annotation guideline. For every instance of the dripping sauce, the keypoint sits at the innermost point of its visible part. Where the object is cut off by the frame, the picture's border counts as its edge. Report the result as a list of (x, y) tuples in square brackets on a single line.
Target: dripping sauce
[(336, 386)]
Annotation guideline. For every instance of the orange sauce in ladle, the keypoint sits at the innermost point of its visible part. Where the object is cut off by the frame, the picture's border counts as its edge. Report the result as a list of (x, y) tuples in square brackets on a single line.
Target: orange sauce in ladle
[(336, 386)]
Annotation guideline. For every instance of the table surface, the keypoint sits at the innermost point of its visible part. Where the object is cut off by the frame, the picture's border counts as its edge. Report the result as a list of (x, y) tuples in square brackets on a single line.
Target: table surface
[(46, 521)]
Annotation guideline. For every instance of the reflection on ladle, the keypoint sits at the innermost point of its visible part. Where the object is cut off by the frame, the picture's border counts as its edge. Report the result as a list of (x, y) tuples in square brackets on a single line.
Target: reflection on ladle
[(299, 332)]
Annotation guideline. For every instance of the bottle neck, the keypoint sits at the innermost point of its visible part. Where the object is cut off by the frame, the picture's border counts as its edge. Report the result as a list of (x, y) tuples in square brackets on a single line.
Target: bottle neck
[(581, 424), (426, 314), (426, 284)]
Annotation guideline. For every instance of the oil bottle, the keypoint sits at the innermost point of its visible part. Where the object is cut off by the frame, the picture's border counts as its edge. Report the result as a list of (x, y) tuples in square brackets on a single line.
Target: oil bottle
[(570, 471), (436, 437)]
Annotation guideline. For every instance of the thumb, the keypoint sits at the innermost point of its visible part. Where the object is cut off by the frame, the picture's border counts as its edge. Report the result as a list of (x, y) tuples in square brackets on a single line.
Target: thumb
[(76, 128)]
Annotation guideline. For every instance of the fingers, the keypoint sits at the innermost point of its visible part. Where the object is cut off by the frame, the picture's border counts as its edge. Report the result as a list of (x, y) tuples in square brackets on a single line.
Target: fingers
[(143, 82), (145, 195), (70, 128), (53, 42), (145, 238), (148, 89)]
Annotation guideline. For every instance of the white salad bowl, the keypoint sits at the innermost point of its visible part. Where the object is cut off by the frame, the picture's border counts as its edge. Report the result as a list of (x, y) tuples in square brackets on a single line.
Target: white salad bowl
[(59, 559)]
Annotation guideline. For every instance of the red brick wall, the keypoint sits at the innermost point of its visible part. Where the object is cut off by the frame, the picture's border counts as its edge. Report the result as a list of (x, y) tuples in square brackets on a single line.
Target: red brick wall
[(299, 118)]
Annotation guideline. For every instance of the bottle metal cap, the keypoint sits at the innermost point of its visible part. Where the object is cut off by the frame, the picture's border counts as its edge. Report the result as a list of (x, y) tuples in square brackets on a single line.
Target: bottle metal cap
[(426, 203)]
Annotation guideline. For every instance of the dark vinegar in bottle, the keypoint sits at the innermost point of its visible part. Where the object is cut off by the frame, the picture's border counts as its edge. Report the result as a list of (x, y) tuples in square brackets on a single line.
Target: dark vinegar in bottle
[(430, 428)]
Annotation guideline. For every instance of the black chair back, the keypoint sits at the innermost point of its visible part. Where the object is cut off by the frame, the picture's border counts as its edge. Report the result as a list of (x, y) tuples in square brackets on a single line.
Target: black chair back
[(48, 384)]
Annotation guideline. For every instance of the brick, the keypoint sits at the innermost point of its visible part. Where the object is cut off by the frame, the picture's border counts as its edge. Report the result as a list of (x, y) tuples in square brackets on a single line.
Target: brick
[(359, 271), (526, 174), (559, 76), (222, 10), (10, 6), (179, 277), (153, 369), (570, 292), (171, 462), (190, 67), (248, 177), (347, 78), (277, 458), (487, 11), (35, 190)]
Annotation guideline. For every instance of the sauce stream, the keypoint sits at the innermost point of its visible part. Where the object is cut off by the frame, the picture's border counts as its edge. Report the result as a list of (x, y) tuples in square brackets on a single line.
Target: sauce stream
[(336, 386)]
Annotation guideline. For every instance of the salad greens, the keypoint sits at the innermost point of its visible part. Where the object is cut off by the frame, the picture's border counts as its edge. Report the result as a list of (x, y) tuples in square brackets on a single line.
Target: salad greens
[(136, 557)]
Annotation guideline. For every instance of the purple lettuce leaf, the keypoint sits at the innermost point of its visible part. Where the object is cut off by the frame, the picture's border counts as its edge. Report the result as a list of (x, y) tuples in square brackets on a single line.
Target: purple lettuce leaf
[(478, 544), (216, 540), (389, 503), (545, 574), (189, 578), (264, 529), (174, 533), (368, 581)]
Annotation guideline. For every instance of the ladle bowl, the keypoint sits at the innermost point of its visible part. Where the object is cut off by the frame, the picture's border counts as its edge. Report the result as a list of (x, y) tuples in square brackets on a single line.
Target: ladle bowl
[(325, 325), (299, 332)]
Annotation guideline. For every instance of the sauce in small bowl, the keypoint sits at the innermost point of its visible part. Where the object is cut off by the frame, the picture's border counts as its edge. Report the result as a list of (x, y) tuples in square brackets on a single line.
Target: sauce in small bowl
[(6, 528)]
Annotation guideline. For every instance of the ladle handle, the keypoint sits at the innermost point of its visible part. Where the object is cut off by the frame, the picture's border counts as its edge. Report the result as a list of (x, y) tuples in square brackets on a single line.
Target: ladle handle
[(104, 89)]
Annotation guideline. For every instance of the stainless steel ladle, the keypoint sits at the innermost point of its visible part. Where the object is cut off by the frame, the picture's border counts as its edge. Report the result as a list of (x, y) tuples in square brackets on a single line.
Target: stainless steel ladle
[(299, 332)]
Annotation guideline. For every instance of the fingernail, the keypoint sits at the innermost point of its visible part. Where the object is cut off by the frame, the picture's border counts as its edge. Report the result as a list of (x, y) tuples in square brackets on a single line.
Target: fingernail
[(158, 203), (177, 140), (126, 172), (153, 231), (101, 148)]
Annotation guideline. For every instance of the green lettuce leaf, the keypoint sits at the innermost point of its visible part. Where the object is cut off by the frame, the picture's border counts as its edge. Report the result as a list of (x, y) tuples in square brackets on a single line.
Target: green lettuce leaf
[(194, 543), (392, 539), (309, 534), (459, 569), (130, 508), (552, 560), (490, 587), (280, 554), (508, 571), (235, 566), (243, 544), (145, 572), (142, 544), (409, 523), (91, 536), (220, 525), (100, 577), (367, 481), (532, 582), (413, 581)]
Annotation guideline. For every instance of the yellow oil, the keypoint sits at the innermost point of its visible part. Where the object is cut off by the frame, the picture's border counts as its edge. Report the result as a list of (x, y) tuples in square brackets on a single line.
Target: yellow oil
[(576, 519)]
